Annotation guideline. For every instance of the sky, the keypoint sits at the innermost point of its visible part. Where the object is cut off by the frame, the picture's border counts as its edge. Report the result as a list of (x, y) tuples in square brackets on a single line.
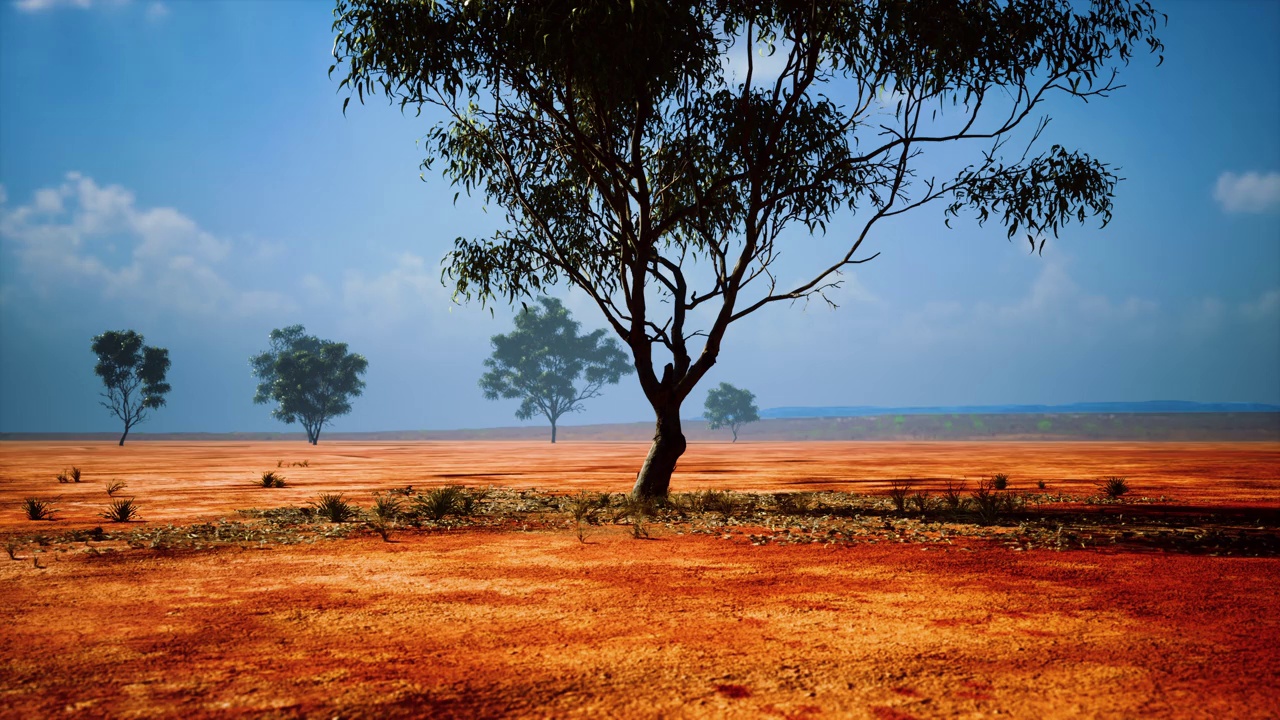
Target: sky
[(184, 169)]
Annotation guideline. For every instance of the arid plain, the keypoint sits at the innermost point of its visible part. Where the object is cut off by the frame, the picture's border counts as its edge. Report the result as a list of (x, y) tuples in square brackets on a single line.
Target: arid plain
[(1160, 604)]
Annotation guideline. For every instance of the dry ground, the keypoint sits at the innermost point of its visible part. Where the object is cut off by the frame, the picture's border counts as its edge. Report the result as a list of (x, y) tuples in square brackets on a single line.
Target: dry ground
[(522, 619)]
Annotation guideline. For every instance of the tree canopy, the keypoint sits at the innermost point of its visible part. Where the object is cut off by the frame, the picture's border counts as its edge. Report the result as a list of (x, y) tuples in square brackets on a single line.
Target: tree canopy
[(636, 159), (133, 373), (541, 361), (731, 407), (311, 380)]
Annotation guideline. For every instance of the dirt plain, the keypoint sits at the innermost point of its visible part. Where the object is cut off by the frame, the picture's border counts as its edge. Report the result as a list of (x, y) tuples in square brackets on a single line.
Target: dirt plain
[(884, 617)]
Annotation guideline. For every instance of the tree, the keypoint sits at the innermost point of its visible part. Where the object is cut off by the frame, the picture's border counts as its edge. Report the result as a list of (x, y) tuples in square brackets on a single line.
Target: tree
[(133, 373), (542, 359), (731, 407), (311, 380), (631, 163)]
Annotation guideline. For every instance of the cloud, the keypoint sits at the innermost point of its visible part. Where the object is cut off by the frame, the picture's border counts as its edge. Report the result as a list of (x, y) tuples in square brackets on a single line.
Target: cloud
[(157, 11), (1251, 192), (82, 235), (34, 6)]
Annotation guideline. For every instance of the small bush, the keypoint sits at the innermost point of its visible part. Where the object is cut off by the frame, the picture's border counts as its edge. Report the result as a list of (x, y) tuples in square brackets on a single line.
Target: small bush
[(11, 547), (583, 506), (37, 509), (442, 501), (1040, 484), (953, 495), (898, 491), (1114, 486), (987, 501), (920, 502), (387, 507), (1000, 481), (122, 510), (382, 527), (636, 508), (333, 508), (638, 529), (793, 503), (115, 487), (63, 477), (271, 480)]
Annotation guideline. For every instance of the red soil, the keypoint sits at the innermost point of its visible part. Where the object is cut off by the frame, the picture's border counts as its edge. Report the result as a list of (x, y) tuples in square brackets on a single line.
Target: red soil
[(481, 623)]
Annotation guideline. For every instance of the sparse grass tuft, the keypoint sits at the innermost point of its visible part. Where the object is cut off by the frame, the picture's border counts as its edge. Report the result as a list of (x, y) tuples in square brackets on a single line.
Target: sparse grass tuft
[(797, 503), (37, 509), (953, 496), (333, 508), (1000, 481), (11, 547), (717, 501), (122, 510), (580, 530), (987, 502), (271, 480), (406, 491), (920, 502), (387, 507), (442, 501), (898, 491), (638, 529), (1115, 486), (584, 505), (115, 487)]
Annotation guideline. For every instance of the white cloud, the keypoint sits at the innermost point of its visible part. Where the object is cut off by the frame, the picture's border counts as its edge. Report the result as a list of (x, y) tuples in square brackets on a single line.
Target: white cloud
[(1250, 192), (85, 235)]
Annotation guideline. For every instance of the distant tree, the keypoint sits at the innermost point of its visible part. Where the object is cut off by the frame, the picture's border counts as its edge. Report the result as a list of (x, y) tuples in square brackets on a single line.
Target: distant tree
[(311, 380), (731, 407), (643, 152), (133, 373), (541, 361)]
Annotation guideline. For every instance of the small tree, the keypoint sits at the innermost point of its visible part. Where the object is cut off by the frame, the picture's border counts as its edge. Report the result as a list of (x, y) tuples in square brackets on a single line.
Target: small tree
[(311, 380), (635, 159), (731, 407), (541, 361), (133, 373)]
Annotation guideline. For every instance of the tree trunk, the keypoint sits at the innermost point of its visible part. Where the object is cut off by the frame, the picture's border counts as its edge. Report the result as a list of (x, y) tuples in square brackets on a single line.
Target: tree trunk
[(553, 432), (734, 428), (125, 435), (654, 479)]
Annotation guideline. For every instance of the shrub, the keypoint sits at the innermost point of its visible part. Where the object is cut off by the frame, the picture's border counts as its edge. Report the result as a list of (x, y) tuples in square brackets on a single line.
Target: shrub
[(122, 510), (898, 491), (953, 496), (636, 508), (987, 501), (406, 491), (37, 509), (442, 501), (271, 480), (115, 487), (920, 501), (1114, 486), (1040, 484), (333, 508), (1000, 481), (793, 503), (387, 507), (584, 505), (11, 547)]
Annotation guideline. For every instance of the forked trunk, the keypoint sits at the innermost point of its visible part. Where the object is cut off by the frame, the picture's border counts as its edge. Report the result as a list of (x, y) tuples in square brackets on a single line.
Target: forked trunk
[(654, 479)]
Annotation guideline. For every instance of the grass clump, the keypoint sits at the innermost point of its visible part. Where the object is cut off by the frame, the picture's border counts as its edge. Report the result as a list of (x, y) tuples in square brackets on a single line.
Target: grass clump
[(69, 476), (797, 503), (333, 508), (387, 508), (442, 501), (1000, 481), (920, 502), (37, 509), (584, 505), (115, 487), (11, 547), (271, 480), (953, 495), (898, 492), (121, 510), (1115, 486), (717, 501)]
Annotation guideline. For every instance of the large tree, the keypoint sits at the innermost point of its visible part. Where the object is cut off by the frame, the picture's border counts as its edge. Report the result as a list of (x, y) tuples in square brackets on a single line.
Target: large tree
[(731, 407), (310, 380), (642, 153), (133, 374), (541, 361)]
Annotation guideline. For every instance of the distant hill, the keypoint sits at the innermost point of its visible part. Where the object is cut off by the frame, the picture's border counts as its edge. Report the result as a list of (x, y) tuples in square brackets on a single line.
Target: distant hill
[(1152, 406), (884, 426)]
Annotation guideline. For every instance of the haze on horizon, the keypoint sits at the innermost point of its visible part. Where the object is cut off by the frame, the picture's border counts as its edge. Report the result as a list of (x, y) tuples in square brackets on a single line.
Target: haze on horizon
[(185, 170)]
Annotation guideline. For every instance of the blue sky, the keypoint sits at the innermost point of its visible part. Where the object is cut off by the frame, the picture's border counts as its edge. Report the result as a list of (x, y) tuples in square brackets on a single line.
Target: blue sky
[(183, 169)]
